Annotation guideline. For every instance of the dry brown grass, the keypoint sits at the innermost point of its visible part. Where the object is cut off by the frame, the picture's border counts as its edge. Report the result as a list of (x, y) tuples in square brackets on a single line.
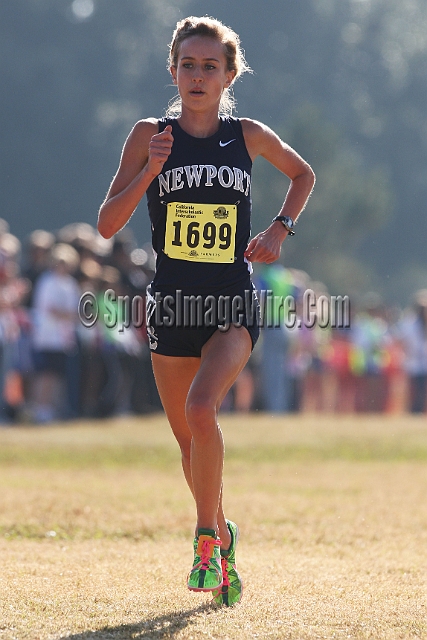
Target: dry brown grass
[(332, 511)]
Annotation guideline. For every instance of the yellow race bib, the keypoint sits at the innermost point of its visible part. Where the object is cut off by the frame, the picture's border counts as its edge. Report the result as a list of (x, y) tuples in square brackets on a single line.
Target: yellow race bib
[(201, 232)]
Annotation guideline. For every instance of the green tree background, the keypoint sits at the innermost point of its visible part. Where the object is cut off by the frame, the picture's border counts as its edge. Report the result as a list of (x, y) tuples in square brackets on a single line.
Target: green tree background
[(344, 81)]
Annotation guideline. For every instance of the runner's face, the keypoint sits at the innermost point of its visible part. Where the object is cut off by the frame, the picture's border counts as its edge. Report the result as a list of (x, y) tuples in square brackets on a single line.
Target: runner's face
[(201, 72)]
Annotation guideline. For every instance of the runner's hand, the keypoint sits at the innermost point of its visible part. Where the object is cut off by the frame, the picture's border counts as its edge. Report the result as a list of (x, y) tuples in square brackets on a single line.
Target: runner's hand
[(159, 150), (266, 246)]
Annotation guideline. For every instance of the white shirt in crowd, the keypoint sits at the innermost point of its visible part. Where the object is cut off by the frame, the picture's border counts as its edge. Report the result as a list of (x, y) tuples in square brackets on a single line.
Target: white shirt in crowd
[(61, 293)]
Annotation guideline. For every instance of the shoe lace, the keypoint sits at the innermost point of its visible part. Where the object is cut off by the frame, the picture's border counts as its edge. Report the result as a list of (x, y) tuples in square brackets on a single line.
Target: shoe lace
[(206, 551), (224, 566), (223, 589)]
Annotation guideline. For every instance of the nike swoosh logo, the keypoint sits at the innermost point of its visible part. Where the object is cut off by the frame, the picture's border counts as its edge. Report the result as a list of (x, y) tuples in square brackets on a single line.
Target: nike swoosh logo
[(224, 144)]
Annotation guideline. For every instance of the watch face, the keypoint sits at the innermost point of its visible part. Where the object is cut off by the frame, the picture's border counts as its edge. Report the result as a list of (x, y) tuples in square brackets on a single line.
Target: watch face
[(289, 222)]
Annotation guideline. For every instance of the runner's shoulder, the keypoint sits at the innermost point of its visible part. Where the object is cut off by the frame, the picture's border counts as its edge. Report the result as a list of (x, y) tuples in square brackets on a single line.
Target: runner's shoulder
[(145, 129), (257, 136), (138, 140)]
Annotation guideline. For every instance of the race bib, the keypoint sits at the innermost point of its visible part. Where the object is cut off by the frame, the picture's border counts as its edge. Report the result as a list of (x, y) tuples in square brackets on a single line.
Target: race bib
[(201, 232)]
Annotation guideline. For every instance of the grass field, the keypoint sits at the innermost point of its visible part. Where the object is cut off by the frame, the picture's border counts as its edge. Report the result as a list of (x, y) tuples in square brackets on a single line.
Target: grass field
[(96, 525)]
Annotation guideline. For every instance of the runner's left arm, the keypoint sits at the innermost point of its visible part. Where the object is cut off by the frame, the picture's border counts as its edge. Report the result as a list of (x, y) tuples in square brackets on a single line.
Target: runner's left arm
[(262, 141)]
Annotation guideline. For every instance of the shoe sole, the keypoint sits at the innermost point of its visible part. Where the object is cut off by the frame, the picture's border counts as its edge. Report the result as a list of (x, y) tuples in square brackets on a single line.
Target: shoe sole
[(203, 589)]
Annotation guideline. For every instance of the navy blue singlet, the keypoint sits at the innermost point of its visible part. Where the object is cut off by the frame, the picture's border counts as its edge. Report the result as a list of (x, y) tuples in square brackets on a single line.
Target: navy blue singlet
[(216, 171)]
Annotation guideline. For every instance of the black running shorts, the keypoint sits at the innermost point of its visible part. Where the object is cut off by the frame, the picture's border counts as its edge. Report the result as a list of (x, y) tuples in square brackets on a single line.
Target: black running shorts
[(180, 325)]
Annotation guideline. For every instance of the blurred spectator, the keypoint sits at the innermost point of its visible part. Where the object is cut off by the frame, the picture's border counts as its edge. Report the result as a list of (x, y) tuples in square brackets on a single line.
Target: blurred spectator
[(118, 345), (314, 382), (90, 340), (394, 367), (37, 257), (275, 283), (56, 297), (12, 322), (413, 334), (339, 375), (134, 265), (370, 337)]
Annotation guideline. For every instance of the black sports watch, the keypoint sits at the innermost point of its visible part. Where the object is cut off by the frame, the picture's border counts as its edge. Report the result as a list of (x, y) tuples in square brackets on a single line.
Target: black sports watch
[(287, 222)]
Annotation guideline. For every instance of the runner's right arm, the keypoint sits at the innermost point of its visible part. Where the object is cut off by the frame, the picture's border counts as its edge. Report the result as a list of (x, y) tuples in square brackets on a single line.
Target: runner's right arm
[(144, 154)]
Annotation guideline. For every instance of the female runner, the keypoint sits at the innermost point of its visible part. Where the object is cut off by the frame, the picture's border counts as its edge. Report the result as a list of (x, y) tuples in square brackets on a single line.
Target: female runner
[(196, 171)]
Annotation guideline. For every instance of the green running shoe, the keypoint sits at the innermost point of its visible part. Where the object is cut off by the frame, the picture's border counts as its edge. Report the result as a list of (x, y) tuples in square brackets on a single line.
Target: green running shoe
[(206, 574), (232, 586)]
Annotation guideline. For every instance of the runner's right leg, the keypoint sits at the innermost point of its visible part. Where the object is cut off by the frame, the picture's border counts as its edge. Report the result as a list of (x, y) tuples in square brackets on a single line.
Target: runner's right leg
[(174, 376)]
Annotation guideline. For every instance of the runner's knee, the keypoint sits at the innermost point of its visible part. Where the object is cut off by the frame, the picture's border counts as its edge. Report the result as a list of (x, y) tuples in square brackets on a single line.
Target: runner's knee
[(201, 416)]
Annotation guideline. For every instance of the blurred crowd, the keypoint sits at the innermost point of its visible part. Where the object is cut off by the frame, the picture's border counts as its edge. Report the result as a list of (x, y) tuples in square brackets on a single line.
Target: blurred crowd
[(53, 367), (376, 362)]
